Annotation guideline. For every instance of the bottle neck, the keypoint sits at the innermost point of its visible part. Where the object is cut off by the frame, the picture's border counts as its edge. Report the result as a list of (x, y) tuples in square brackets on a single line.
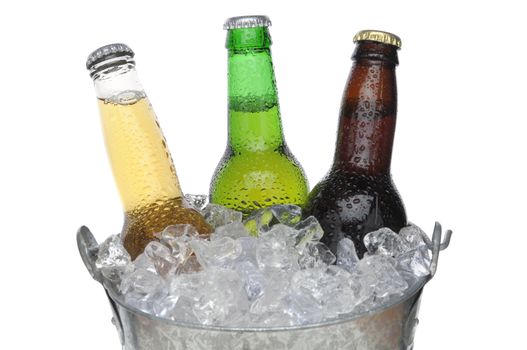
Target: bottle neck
[(113, 80), (368, 111), (254, 113), (140, 160)]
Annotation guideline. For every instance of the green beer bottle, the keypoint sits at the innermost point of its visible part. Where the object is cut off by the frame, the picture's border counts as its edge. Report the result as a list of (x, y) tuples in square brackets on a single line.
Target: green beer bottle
[(257, 169)]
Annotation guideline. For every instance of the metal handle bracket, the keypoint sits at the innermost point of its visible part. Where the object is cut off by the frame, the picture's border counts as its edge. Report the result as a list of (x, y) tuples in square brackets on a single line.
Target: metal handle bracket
[(88, 249), (436, 245)]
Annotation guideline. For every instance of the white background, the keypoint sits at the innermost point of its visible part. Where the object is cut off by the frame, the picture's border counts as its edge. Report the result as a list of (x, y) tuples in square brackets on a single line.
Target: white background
[(459, 150)]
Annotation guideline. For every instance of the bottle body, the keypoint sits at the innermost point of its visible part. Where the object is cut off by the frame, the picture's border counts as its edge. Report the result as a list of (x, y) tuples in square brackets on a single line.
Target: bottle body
[(257, 169), (141, 163), (358, 195)]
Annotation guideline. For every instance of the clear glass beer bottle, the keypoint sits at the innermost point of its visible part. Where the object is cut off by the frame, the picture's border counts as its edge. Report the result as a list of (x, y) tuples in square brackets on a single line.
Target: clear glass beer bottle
[(140, 160), (358, 195), (257, 169)]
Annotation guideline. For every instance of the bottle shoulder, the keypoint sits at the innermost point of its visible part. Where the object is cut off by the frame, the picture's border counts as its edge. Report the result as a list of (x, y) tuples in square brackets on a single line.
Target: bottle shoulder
[(338, 179), (339, 189), (250, 181), (242, 163)]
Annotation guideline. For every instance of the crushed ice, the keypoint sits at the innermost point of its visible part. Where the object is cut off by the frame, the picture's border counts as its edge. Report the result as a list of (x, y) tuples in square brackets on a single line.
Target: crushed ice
[(267, 270)]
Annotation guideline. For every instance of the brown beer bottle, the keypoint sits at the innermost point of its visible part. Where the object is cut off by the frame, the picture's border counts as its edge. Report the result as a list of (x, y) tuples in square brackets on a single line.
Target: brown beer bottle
[(358, 195)]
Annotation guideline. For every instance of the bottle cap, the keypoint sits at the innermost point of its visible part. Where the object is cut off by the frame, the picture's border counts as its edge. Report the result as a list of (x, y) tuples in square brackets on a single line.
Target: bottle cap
[(246, 22), (378, 36), (108, 51)]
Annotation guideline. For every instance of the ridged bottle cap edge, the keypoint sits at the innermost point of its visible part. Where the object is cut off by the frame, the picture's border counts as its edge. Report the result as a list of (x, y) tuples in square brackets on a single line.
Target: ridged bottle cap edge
[(246, 22), (107, 51), (378, 36)]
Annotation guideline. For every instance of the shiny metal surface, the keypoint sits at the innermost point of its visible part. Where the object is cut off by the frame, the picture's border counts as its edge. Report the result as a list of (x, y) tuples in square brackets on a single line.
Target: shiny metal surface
[(379, 36), (246, 22), (108, 51)]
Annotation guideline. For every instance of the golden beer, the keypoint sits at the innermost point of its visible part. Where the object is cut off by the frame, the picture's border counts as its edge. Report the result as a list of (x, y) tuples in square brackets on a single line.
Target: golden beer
[(141, 163)]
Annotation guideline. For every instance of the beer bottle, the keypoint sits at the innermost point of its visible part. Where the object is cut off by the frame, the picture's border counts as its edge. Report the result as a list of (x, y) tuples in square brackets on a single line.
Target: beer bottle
[(257, 169), (358, 195), (140, 160)]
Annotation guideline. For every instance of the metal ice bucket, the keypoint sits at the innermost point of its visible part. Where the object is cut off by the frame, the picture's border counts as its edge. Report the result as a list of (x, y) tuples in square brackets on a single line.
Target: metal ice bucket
[(389, 327)]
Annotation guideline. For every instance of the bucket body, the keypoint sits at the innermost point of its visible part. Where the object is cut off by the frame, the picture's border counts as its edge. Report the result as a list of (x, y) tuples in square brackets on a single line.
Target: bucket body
[(388, 327)]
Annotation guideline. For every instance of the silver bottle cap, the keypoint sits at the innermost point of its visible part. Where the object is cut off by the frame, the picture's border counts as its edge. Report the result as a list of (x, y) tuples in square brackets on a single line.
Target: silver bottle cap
[(108, 51), (247, 22)]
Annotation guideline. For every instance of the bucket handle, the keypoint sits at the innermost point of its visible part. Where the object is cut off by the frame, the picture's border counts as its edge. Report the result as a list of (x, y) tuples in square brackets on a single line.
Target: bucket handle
[(436, 245), (88, 249)]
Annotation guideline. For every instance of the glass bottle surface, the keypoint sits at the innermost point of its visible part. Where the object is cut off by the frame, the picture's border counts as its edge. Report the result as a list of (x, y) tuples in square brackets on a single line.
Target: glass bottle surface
[(257, 169), (358, 195), (140, 160)]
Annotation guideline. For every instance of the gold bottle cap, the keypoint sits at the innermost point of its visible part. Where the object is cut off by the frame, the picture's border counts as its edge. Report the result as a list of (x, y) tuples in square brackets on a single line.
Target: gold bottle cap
[(379, 36)]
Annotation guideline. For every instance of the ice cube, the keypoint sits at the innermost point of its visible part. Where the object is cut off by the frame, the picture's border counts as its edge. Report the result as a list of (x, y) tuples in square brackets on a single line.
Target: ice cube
[(384, 242), (248, 250), (214, 295), (378, 277), (273, 297), (112, 259), (314, 255), (142, 288), (303, 307), (217, 215), (184, 290), (166, 307), (218, 253), (254, 279), (309, 230), (214, 308), (412, 236), (197, 201), (178, 238), (234, 230), (415, 262), (162, 258), (191, 265), (183, 231), (275, 254), (177, 308), (143, 262), (188, 284), (259, 221), (346, 254), (146, 302), (281, 232), (287, 214), (322, 293)]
